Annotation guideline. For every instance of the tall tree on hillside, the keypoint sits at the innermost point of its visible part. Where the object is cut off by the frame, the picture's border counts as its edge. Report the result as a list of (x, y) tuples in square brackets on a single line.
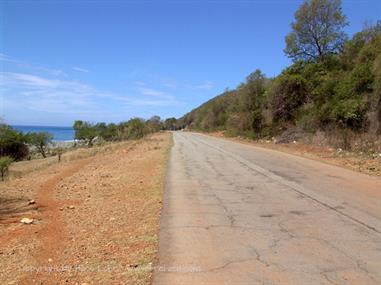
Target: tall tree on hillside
[(317, 30)]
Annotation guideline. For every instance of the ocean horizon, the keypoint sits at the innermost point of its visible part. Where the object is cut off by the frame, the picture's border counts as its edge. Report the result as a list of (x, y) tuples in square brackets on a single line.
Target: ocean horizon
[(60, 134)]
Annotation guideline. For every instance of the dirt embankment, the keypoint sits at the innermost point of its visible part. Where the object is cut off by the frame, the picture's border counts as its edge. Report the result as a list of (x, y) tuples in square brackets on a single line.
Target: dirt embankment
[(95, 219)]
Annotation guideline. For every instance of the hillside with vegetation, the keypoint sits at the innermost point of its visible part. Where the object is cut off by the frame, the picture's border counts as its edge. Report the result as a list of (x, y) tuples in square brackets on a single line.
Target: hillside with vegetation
[(331, 91)]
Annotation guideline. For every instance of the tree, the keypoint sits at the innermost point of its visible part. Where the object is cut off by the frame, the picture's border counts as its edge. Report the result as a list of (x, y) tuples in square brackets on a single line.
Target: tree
[(59, 152), (85, 131), (249, 105), (317, 30), (170, 124), (5, 162), (108, 132), (154, 123), (288, 94), (12, 143), (40, 141), (135, 129), (155, 120)]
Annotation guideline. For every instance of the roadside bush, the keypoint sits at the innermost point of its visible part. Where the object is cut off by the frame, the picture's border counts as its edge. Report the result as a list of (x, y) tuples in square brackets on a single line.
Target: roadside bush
[(12, 143), (350, 113), (135, 129), (239, 123), (288, 94), (5, 162)]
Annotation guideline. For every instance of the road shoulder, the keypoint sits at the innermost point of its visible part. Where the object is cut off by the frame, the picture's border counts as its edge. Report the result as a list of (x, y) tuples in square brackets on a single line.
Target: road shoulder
[(359, 162)]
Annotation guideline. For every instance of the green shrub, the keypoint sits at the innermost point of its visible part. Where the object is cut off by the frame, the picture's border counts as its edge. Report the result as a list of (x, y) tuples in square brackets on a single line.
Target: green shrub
[(134, 129), (350, 113), (5, 162), (13, 143), (288, 95)]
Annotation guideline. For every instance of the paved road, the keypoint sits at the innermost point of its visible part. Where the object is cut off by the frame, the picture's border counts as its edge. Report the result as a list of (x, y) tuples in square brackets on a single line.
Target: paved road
[(237, 214)]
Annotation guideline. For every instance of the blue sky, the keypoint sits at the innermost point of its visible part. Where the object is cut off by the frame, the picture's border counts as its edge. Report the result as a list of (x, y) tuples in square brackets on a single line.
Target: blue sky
[(113, 60)]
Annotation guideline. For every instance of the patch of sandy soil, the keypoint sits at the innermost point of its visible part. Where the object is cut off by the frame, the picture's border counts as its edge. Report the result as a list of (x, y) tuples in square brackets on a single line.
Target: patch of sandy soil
[(95, 219), (351, 160)]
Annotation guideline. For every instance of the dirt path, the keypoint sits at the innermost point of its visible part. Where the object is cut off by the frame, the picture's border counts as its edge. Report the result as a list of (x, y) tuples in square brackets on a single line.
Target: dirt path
[(95, 220), (52, 236), (238, 214)]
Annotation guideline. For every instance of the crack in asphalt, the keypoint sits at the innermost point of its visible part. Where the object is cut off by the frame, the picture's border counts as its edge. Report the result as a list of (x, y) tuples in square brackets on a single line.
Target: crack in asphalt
[(227, 264), (288, 183), (270, 231)]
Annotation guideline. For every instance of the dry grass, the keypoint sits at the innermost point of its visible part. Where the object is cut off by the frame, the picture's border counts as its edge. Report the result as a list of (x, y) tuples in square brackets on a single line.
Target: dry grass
[(18, 169), (109, 236)]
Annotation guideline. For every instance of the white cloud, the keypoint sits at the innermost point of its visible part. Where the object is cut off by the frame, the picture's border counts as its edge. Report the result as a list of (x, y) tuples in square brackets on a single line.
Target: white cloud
[(80, 69), (49, 95), (150, 102), (27, 90), (71, 97), (23, 79), (154, 93), (205, 86), (26, 65)]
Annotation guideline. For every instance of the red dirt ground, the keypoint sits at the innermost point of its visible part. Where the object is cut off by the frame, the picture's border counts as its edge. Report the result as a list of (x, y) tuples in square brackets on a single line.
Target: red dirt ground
[(95, 219)]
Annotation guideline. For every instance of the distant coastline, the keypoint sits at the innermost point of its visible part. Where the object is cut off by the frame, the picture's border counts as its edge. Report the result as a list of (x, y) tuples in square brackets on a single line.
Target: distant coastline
[(60, 134)]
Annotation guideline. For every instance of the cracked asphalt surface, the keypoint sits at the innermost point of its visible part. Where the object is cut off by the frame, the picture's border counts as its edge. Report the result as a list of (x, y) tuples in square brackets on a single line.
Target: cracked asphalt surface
[(238, 214)]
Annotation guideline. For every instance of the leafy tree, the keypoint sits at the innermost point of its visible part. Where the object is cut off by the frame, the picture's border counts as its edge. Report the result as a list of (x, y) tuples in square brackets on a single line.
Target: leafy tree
[(101, 128), (154, 124), (85, 131), (170, 124), (155, 120), (317, 30), (40, 141), (12, 143), (289, 92), (363, 47), (135, 129), (108, 132), (5, 162), (252, 99), (350, 113)]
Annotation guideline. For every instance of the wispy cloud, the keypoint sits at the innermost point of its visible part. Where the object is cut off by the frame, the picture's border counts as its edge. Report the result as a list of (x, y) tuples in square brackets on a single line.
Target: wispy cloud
[(50, 93), (80, 69), (23, 79), (26, 65), (146, 102), (204, 86), (155, 93), (68, 96)]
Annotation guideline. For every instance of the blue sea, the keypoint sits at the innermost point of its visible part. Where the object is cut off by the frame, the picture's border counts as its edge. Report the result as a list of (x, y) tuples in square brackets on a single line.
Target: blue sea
[(59, 133)]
